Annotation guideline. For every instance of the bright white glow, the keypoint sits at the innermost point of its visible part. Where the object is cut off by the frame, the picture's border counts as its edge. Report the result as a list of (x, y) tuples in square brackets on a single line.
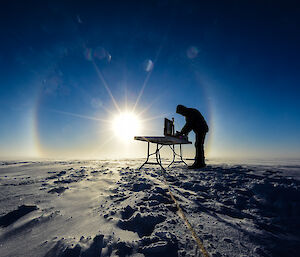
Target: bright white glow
[(126, 126)]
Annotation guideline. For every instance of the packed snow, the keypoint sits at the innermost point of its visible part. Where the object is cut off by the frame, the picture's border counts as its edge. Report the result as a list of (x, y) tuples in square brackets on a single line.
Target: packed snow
[(111, 208)]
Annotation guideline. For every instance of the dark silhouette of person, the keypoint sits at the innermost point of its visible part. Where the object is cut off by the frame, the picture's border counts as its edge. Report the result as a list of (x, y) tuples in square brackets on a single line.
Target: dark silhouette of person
[(195, 122)]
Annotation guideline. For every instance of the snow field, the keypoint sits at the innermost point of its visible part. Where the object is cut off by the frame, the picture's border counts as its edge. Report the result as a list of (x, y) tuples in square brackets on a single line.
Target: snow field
[(110, 208)]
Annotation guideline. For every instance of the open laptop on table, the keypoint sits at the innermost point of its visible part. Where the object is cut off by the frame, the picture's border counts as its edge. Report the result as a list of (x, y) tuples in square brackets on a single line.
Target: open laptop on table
[(169, 130)]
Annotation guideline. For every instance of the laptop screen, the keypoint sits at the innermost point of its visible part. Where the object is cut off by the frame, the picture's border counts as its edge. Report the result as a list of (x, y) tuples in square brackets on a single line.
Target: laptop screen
[(169, 128)]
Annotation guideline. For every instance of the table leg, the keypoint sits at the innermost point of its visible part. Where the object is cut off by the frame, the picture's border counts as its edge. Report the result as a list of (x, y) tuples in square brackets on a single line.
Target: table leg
[(181, 155), (158, 159), (148, 149), (176, 154), (157, 155)]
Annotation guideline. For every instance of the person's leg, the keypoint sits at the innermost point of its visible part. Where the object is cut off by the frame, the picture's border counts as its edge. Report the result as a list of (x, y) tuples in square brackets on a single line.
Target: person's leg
[(199, 145)]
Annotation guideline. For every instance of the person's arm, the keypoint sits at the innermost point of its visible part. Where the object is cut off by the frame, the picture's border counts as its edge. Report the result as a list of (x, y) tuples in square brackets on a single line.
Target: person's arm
[(186, 128)]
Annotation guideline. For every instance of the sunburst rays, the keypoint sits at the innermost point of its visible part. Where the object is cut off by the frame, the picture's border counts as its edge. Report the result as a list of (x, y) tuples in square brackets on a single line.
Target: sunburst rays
[(106, 132), (101, 77)]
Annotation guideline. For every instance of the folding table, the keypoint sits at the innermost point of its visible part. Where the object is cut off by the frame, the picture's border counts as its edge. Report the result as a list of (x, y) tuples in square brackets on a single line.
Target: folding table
[(170, 141)]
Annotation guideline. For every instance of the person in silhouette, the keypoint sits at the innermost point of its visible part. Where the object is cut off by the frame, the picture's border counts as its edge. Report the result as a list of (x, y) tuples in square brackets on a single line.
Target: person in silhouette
[(195, 122)]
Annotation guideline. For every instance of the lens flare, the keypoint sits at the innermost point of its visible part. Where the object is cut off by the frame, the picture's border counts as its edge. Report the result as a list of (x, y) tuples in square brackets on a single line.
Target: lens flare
[(192, 52), (148, 65)]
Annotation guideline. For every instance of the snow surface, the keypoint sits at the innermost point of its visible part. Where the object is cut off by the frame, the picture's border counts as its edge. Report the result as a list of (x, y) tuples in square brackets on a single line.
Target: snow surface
[(110, 208)]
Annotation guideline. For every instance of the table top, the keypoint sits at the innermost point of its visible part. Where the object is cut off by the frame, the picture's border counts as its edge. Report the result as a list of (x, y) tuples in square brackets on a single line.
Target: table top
[(165, 140)]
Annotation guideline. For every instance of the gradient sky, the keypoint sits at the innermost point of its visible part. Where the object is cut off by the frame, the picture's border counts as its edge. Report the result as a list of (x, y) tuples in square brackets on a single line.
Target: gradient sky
[(63, 63)]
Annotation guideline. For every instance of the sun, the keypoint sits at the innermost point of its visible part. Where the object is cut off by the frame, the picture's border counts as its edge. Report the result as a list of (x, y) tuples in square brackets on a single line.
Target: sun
[(126, 125)]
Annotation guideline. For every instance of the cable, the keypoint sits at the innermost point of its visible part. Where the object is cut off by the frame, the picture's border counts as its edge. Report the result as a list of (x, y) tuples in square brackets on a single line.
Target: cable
[(184, 218)]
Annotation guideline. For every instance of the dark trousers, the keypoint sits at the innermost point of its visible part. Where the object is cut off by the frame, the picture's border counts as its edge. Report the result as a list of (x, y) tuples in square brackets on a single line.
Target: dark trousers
[(199, 145)]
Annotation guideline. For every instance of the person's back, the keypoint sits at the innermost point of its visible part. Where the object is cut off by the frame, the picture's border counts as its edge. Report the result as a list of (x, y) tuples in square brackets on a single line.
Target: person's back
[(196, 120)]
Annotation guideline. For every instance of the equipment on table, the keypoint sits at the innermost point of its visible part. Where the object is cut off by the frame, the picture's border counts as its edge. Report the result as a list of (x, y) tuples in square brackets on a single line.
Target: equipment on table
[(169, 127)]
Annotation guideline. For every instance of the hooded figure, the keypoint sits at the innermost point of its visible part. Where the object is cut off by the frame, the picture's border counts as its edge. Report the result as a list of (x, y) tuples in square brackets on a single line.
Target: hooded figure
[(195, 122)]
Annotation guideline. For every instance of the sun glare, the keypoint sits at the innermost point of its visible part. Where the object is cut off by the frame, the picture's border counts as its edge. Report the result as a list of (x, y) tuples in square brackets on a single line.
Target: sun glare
[(126, 125)]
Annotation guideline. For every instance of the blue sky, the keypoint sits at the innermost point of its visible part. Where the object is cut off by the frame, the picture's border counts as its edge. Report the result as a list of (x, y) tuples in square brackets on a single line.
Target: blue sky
[(238, 63)]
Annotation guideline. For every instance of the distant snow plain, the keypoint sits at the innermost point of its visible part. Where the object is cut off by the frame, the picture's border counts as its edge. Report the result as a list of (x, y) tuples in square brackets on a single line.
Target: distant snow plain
[(111, 208)]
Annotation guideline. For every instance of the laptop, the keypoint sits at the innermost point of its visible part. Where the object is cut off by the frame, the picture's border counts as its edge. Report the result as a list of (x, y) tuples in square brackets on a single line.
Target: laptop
[(169, 127), (169, 130)]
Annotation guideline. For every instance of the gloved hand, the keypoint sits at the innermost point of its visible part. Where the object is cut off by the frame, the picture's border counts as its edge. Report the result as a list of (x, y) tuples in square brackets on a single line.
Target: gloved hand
[(178, 133)]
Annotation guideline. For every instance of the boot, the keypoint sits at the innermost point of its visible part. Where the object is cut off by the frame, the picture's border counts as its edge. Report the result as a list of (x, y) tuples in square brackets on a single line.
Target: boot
[(197, 165)]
